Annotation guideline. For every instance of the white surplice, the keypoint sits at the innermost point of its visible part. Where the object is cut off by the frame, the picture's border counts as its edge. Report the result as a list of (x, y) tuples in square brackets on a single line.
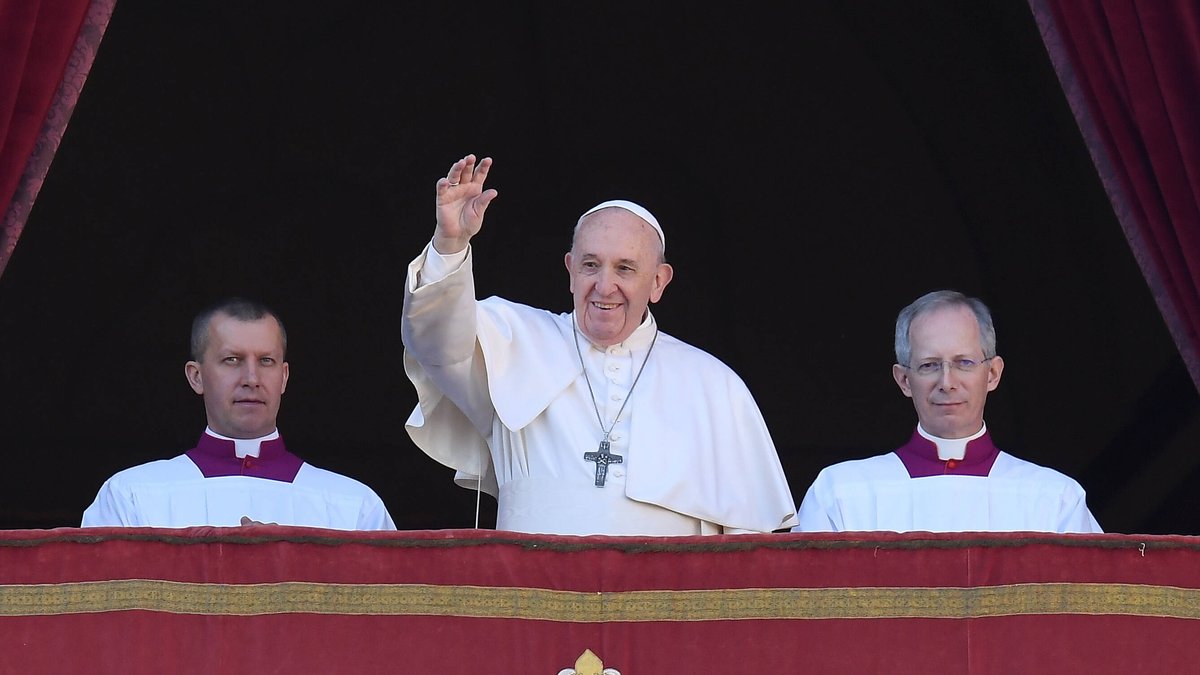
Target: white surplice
[(175, 493), (880, 493)]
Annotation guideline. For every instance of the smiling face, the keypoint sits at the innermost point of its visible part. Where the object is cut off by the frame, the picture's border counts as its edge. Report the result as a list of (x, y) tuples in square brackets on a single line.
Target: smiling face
[(949, 403), (615, 274), (241, 375)]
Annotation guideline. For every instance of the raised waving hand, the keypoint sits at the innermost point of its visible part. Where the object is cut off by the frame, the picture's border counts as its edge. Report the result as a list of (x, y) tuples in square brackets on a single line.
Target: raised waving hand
[(461, 203)]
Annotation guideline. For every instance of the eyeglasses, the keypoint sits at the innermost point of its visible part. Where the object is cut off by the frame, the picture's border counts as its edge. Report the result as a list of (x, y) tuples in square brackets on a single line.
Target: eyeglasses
[(932, 368)]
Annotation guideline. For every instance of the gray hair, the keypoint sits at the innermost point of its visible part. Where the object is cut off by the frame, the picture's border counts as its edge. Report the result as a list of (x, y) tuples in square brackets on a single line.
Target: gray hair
[(237, 308), (937, 300)]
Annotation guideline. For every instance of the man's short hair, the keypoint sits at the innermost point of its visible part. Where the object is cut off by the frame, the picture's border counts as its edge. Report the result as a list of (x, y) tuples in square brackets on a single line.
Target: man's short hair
[(937, 300), (241, 309)]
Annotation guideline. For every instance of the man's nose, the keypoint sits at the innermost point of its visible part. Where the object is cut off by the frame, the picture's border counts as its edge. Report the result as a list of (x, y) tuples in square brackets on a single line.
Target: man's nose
[(250, 374), (946, 377), (604, 281)]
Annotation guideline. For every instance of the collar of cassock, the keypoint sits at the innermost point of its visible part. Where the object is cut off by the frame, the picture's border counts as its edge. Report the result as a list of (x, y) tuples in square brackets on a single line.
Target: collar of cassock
[(218, 456), (920, 456), (641, 337)]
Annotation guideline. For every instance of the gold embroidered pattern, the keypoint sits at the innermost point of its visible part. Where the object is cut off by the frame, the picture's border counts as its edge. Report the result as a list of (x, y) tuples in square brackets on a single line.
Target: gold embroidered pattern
[(584, 607)]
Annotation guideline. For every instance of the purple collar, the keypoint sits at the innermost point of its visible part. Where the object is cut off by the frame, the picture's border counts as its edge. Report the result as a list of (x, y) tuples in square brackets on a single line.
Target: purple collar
[(215, 457), (921, 459)]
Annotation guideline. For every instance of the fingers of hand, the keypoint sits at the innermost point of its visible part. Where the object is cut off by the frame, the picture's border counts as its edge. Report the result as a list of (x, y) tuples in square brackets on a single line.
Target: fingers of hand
[(481, 171), (461, 171), (466, 170)]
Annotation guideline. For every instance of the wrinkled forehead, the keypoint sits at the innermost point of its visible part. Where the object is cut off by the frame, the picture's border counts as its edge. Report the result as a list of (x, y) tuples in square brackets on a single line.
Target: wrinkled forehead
[(636, 209)]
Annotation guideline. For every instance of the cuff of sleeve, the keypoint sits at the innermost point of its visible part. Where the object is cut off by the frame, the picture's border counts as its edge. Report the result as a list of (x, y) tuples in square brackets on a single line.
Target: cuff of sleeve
[(438, 266)]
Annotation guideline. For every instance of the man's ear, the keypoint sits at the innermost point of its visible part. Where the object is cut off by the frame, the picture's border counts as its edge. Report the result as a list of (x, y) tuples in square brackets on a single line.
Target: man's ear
[(995, 368), (283, 386), (191, 370), (567, 262), (662, 277), (900, 374)]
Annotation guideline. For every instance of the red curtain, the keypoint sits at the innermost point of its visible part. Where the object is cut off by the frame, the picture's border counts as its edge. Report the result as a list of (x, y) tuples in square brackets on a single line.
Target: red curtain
[(46, 50), (1131, 72)]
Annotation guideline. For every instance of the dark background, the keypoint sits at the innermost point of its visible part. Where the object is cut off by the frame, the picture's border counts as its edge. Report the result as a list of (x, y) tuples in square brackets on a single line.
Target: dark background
[(815, 168)]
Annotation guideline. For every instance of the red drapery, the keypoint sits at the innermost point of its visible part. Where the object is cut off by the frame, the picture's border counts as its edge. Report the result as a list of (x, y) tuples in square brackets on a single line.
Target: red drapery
[(46, 51), (1131, 72)]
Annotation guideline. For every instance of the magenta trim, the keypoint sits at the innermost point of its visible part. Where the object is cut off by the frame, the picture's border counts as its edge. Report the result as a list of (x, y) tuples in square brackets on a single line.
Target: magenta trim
[(215, 457), (921, 459)]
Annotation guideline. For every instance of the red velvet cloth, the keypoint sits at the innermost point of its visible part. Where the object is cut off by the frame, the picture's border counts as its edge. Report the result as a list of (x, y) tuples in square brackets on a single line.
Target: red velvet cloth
[(44, 59), (1131, 72), (273, 599)]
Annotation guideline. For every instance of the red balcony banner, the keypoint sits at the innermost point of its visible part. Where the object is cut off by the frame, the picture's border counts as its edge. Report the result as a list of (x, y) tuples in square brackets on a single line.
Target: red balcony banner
[(277, 599)]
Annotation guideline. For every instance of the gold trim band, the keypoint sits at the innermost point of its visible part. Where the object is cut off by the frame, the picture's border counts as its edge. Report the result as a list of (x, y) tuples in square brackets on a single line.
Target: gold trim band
[(581, 607)]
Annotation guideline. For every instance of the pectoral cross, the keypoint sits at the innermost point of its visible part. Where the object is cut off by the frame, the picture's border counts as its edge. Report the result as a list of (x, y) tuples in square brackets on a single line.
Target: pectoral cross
[(602, 458)]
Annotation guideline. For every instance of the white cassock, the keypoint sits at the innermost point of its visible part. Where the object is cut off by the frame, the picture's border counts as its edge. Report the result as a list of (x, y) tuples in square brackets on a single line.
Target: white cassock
[(222, 479), (980, 489), (501, 395)]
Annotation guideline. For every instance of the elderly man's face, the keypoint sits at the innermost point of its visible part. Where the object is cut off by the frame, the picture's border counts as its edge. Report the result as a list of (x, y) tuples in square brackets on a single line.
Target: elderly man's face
[(949, 402), (241, 375), (615, 274)]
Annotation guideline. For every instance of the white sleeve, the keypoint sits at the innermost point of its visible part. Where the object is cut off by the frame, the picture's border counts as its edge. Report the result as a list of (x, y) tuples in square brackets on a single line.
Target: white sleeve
[(1076, 517), (442, 360), (113, 507), (439, 329), (813, 516), (374, 515), (437, 266)]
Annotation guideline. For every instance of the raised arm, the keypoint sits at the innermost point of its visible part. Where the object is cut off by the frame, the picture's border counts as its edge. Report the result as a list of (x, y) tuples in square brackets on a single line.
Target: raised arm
[(461, 203), (454, 410)]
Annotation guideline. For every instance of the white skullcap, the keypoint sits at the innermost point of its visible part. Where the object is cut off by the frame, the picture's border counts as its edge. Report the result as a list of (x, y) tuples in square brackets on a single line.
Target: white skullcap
[(636, 209)]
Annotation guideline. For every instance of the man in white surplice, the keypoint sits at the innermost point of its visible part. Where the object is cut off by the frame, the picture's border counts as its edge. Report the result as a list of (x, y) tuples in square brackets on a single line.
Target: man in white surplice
[(590, 422), (950, 476), (240, 472)]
